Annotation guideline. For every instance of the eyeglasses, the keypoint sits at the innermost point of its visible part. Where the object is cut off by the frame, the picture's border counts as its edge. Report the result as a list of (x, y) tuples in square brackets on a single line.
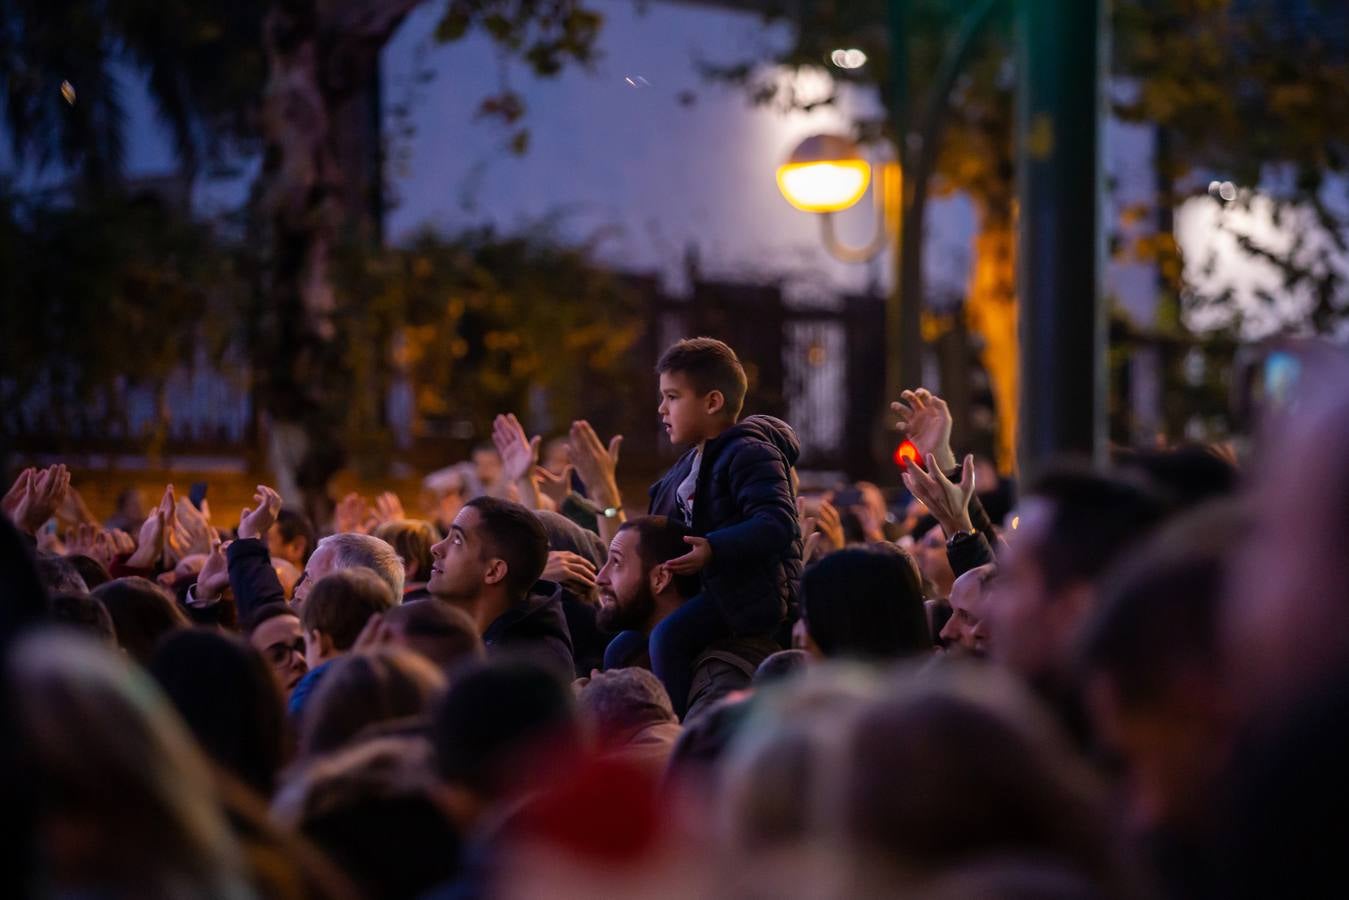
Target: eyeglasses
[(279, 653)]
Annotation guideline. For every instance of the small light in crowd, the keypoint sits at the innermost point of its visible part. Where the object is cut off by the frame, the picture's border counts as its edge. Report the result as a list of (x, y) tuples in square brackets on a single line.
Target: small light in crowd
[(905, 453), (637, 82), (68, 92), (1228, 191), (1016, 522), (848, 59)]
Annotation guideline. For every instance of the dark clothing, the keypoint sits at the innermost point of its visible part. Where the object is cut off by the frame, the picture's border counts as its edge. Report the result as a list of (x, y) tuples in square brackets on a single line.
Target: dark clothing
[(724, 668), (967, 553), (743, 504), (535, 630), (677, 641), (412, 595), (252, 577), (629, 649), (587, 641)]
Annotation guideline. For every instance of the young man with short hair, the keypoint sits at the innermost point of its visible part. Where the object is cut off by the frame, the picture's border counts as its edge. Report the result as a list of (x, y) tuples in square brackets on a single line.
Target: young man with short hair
[(339, 607), (733, 490), (487, 566)]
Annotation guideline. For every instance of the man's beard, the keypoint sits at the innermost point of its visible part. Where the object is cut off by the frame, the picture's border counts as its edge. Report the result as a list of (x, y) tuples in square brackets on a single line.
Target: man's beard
[(632, 616)]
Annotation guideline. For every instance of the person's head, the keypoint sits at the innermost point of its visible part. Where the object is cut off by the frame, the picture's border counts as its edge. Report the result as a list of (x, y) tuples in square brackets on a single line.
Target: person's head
[(618, 703), (1186, 476), (1151, 660), (338, 608), (494, 547), (124, 797), (443, 494), (702, 389), (142, 612), (412, 540), (229, 699), (556, 454), (487, 465), (1073, 524), (967, 629), (635, 587), (930, 553), (362, 689), (369, 806), (1288, 622), (346, 551), (291, 538), (499, 730), (59, 575), (274, 630), (82, 612), (442, 633), (950, 768), (91, 570), (781, 666), (865, 603)]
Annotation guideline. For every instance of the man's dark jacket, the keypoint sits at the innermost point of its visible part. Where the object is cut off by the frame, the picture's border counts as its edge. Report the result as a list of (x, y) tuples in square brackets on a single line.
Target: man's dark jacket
[(743, 504), (535, 630)]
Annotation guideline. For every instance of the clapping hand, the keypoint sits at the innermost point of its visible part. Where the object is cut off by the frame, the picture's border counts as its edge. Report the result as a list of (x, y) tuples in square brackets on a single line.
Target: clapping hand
[(949, 503), (256, 522), (925, 419)]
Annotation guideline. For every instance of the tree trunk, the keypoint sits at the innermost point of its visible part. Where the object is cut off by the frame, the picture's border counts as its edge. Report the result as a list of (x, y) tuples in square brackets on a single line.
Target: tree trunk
[(991, 313), (317, 119)]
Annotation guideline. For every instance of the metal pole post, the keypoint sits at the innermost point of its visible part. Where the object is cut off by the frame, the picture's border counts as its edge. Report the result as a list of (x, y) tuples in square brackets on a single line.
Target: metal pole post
[(1062, 55), (903, 337)]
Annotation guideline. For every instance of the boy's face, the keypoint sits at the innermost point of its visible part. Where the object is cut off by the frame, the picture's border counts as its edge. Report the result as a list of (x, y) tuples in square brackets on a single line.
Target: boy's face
[(687, 416)]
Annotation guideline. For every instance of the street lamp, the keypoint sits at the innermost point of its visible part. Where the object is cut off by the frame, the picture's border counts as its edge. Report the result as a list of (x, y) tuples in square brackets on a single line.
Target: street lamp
[(825, 174)]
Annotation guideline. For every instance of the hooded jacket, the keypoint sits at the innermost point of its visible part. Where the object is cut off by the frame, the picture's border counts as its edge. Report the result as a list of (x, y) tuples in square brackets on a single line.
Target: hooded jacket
[(744, 505), (535, 630)]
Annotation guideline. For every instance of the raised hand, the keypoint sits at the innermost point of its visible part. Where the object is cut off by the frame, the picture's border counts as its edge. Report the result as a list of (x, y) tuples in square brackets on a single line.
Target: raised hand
[(519, 452), (949, 503), (14, 496), (151, 548), (695, 560), (353, 515), (388, 508), (44, 491), (201, 537), (256, 522), (215, 574), (925, 419), (571, 570), (596, 465), (554, 487), (93, 542)]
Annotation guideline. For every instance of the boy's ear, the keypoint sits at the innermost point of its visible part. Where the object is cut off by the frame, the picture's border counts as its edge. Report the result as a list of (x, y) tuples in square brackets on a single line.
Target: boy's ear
[(714, 401)]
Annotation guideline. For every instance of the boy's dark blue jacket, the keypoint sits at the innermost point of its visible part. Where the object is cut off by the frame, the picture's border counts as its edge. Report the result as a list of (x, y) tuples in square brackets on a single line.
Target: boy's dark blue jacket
[(745, 507)]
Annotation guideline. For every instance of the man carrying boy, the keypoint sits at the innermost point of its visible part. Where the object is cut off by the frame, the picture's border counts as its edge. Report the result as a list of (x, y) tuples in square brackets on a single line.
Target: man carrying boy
[(732, 489)]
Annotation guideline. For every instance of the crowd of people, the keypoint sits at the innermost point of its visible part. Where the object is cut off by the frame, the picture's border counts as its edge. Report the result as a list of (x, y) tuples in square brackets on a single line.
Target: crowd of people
[(1116, 681)]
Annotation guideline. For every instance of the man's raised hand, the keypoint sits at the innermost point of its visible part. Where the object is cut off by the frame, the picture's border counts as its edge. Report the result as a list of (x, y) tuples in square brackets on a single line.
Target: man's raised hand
[(256, 522), (596, 465), (949, 503), (925, 419), (519, 452)]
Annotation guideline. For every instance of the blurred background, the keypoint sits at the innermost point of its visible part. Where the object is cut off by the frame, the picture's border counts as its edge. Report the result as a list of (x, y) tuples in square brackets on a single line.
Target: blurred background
[(325, 243)]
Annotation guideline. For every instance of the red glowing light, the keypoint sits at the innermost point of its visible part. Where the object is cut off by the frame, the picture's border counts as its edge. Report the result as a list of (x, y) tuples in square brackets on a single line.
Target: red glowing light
[(905, 453)]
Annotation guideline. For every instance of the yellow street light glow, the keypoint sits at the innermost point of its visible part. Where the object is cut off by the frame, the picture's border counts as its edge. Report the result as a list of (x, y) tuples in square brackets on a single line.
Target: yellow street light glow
[(825, 173)]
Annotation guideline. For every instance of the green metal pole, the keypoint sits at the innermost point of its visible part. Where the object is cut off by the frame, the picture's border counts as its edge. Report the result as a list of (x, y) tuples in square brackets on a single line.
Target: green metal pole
[(1061, 255)]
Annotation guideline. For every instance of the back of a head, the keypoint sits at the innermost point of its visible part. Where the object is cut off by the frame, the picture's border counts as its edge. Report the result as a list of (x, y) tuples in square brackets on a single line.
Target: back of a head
[(442, 633), (292, 524), (513, 533), (229, 698), (503, 726), (365, 551), (266, 612), (1160, 608), (564, 534), (369, 807), (412, 540), (83, 612), (864, 603), (342, 603), (619, 702), (91, 570), (1184, 476), (142, 612), (661, 539), (940, 776), (1093, 518), (781, 666), (104, 747), (59, 575), (362, 689), (709, 365)]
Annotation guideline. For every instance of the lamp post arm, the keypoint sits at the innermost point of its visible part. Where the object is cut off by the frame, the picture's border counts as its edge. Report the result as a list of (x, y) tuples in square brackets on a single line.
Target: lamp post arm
[(879, 242)]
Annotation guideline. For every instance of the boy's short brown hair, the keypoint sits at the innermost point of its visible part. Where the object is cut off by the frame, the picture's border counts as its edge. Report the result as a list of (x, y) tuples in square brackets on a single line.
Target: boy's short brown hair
[(342, 603), (710, 365)]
